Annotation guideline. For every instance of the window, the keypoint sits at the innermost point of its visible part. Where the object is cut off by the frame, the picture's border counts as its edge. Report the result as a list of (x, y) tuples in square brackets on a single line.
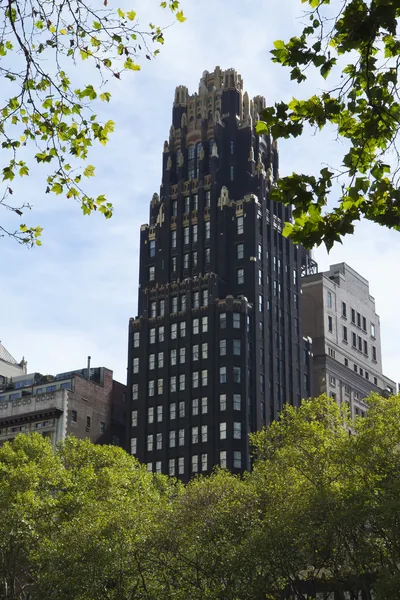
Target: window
[(259, 252), (345, 334), (237, 401), (195, 407), (331, 352), (355, 368), (181, 465), (222, 320), (183, 302), (172, 384), (204, 377), (149, 467), (171, 467), (236, 320), (173, 239), (158, 466), (183, 329), (360, 344), (366, 375), (162, 308), (103, 425), (222, 402), (174, 331), (344, 310), (160, 360), (174, 208), (346, 362), (208, 199), (329, 299), (196, 300), (195, 202), (135, 391), (237, 374), (195, 379), (364, 324), (152, 248), (195, 352), (354, 339), (172, 411), (159, 441), (204, 462), (172, 439), (181, 409), (186, 235), (74, 416), (204, 350), (239, 251), (161, 333), (239, 225), (173, 357), (152, 273), (159, 414), (237, 459), (151, 387), (260, 277), (374, 353), (232, 147), (222, 347), (136, 365), (222, 459), (237, 430), (152, 361), (173, 264), (365, 347), (332, 380), (204, 324), (236, 347), (186, 261), (160, 386), (194, 233), (181, 437), (330, 324), (353, 316), (195, 435), (195, 326), (182, 382), (222, 374), (358, 320), (174, 304), (222, 431), (240, 276), (208, 255), (186, 204), (204, 406), (194, 259), (207, 229), (372, 330), (205, 298), (182, 355), (136, 337), (150, 443), (133, 445), (195, 463), (361, 371), (375, 381), (261, 303)]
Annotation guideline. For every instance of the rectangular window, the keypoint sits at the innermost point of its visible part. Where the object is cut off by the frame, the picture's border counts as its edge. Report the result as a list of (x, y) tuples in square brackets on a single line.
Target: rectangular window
[(329, 299), (160, 386), (136, 365), (134, 418), (172, 384), (205, 298), (222, 431), (207, 226), (194, 234), (181, 409), (152, 248), (332, 380), (161, 333), (237, 374), (259, 252), (195, 407), (150, 443), (208, 199), (208, 255), (261, 303), (136, 337), (174, 208), (222, 402), (159, 441), (133, 446), (194, 259), (236, 347), (173, 357), (195, 463), (222, 347), (195, 202), (345, 334), (222, 459), (162, 308), (159, 413), (158, 466), (173, 239), (152, 273), (222, 374), (360, 344), (160, 360), (364, 324), (365, 347), (182, 382), (195, 326), (186, 235), (174, 304), (372, 330), (240, 276), (182, 355), (171, 467), (260, 277), (344, 310), (204, 433), (237, 402), (204, 324), (174, 331), (135, 391), (239, 251), (181, 465), (186, 204), (355, 368), (195, 435), (195, 379), (196, 300), (204, 351), (239, 225), (374, 353), (172, 411), (186, 261), (204, 377), (152, 361), (204, 462), (358, 319), (182, 328), (353, 316), (74, 416), (330, 324), (153, 309), (237, 459), (237, 430), (149, 467), (204, 406), (173, 264), (151, 387), (183, 302), (181, 437), (236, 320), (222, 320), (354, 339), (195, 352)]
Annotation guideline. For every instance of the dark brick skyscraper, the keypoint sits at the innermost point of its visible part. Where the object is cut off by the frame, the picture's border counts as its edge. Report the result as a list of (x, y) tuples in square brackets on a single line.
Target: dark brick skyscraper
[(217, 348)]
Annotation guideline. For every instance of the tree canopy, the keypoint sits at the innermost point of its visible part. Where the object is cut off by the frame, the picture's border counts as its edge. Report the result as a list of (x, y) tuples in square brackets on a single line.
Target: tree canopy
[(318, 513), (355, 47), (44, 116)]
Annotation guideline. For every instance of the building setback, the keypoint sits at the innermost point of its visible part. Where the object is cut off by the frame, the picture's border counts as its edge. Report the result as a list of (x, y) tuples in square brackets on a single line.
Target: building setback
[(217, 348), (338, 313)]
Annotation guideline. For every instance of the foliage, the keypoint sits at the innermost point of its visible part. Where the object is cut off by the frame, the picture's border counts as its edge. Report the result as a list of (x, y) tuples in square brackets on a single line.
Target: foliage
[(355, 45), (42, 43)]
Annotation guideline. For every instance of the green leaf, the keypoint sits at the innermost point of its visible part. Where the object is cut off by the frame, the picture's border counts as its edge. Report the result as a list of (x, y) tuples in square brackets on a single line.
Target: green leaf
[(57, 188), (180, 16), (131, 15), (105, 96), (89, 171)]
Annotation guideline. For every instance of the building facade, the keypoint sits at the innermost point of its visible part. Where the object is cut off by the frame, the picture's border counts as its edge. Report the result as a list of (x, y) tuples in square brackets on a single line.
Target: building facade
[(9, 367), (339, 314), (87, 404), (217, 348)]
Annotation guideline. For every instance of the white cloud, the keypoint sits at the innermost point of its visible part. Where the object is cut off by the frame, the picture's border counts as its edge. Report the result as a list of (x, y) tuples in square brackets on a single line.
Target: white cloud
[(74, 296)]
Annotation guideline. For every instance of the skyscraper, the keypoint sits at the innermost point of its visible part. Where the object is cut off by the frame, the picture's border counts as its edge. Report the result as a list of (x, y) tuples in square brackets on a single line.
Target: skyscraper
[(217, 348)]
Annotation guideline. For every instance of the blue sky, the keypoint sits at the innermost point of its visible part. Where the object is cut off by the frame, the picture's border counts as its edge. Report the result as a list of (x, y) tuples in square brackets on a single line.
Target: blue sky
[(74, 296)]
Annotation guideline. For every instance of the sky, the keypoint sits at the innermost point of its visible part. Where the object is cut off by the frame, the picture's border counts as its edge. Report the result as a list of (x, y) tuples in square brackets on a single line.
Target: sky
[(73, 296)]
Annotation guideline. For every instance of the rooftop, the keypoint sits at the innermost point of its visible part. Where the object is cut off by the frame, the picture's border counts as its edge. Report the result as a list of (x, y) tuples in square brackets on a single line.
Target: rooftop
[(6, 356)]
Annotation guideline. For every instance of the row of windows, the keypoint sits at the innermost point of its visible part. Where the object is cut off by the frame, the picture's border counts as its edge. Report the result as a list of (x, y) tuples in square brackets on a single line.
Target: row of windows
[(178, 382), (356, 340), (198, 461), (190, 203), (198, 435), (356, 318), (360, 370)]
